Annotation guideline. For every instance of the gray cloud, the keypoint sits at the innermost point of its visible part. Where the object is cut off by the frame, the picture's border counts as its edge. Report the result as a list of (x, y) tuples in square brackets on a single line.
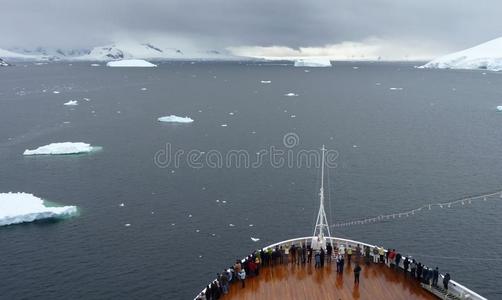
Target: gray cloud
[(450, 24)]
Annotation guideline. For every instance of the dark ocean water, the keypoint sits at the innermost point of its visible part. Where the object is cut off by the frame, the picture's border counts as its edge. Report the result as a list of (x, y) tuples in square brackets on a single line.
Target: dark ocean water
[(437, 139)]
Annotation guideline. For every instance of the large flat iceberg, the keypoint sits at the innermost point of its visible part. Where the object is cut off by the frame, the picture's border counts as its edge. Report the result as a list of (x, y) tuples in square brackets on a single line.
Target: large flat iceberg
[(18, 208), (61, 148), (130, 63), (313, 62), (486, 56), (175, 119)]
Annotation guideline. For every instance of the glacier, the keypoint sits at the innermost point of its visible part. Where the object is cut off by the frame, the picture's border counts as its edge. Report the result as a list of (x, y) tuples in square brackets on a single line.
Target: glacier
[(61, 149), (313, 62), (486, 56), (18, 208), (130, 63), (175, 119)]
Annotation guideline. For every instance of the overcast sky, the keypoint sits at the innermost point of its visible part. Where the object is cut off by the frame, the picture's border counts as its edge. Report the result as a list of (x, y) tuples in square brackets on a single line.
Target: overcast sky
[(424, 25)]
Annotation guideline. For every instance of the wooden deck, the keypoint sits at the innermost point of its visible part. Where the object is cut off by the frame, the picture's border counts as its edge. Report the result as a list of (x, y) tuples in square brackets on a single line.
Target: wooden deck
[(289, 281)]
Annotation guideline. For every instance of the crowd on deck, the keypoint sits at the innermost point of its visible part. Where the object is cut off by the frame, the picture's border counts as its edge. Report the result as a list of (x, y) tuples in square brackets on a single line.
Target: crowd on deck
[(302, 253)]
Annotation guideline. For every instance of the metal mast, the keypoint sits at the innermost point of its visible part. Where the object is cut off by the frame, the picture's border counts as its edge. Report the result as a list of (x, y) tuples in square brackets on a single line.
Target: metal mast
[(321, 229)]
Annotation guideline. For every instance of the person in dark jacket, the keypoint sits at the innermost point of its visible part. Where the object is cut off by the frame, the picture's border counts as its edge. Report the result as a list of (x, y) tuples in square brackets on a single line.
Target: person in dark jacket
[(329, 252), (406, 265), (398, 260), (357, 272), (323, 255), (420, 268), (435, 277), (446, 280)]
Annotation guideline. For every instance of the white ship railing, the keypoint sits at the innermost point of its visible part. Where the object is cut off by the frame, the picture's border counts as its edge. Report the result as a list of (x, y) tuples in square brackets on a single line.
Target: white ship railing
[(454, 288)]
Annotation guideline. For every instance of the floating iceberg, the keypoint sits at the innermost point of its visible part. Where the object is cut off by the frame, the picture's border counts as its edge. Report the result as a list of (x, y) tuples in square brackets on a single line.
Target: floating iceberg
[(175, 119), (71, 103), (499, 108), (484, 56), (61, 148), (18, 208), (130, 63), (313, 62)]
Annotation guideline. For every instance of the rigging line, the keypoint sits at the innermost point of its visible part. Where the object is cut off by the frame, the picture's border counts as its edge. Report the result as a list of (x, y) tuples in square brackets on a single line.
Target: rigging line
[(315, 197), (456, 257), (329, 198), (429, 206)]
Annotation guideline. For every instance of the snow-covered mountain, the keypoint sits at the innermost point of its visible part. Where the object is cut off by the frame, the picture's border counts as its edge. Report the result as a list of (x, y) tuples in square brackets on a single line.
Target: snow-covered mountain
[(487, 56), (47, 54), (116, 51)]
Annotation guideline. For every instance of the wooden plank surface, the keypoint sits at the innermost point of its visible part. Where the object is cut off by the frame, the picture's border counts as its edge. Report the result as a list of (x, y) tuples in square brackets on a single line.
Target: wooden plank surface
[(288, 281)]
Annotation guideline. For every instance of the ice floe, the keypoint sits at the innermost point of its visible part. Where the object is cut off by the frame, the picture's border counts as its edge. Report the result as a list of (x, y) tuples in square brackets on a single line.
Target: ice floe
[(396, 88), (255, 239), (266, 81), (18, 208), (313, 62), (499, 108), (71, 103), (130, 63), (61, 149), (175, 119), (291, 95)]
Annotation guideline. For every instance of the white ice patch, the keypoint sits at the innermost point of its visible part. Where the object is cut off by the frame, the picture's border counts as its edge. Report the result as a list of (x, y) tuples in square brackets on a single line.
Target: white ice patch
[(71, 103), (255, 239), (175, 119), (291, 95), (130, 63), (499, 108), (313, 62), (396, 88), (95, 65), (18, 208), (266, 81), (60, 149), (55, 92)]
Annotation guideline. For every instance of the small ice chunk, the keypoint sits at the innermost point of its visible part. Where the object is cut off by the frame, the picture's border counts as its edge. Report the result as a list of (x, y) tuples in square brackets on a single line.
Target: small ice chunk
[(224, 125), (255, 239), (224, 201), (499, 108), (396, 88), (293, 116), (55, 92), (86, 99), (71, 103), (190, 215), (121, 204), (291, 95), (231, 113), (143, 89), (231, 225), (95, 65), (217, 201), (175, 119), (266, 81), (61, 148), (127, 225), (251, 225)]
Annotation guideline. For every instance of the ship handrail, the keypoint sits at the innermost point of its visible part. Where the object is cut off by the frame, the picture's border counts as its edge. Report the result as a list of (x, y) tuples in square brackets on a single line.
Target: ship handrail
[(457, 289)]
